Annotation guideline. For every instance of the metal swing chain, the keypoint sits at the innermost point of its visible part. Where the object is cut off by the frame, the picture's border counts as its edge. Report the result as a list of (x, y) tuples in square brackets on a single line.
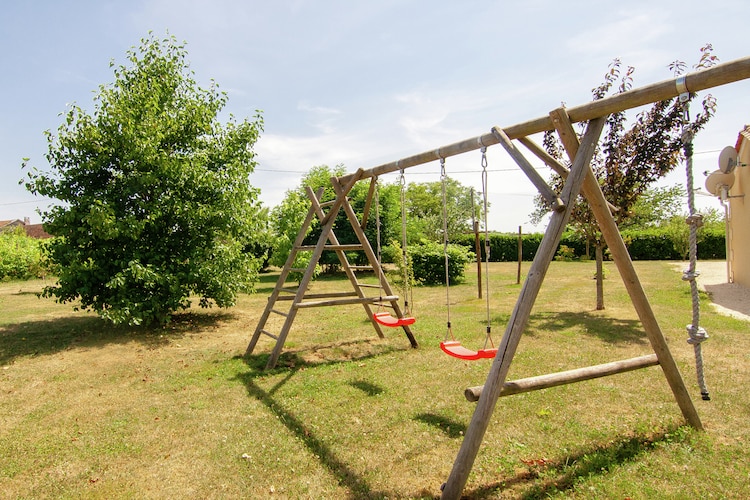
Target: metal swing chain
[(377, 239), (407, 276), (443, 177), (696, 334), (488, 338)]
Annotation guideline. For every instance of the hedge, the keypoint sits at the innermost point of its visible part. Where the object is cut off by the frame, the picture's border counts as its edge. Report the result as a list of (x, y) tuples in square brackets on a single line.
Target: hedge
[(652, 244)]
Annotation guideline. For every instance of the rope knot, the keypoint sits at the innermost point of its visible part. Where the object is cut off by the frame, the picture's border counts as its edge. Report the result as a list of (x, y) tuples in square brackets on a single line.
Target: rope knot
[(696, 335), (688, 275), (687, 136), (695, 220)]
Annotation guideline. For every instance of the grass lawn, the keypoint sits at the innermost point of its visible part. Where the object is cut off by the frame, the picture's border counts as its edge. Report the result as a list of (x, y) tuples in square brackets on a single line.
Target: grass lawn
[(89, 410)]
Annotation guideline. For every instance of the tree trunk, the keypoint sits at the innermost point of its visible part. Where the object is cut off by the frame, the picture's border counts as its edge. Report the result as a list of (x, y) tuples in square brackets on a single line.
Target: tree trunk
[(599, 275)]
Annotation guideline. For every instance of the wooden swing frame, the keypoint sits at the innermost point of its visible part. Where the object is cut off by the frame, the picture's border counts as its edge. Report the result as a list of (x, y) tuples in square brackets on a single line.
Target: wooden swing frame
[(580, 178)]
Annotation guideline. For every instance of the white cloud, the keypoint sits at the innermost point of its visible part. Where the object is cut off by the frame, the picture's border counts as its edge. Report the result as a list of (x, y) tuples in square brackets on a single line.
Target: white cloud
[(321, 118)]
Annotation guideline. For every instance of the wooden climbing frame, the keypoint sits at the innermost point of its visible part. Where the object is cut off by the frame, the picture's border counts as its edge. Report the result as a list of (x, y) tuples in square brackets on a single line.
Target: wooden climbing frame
[(580, 178)]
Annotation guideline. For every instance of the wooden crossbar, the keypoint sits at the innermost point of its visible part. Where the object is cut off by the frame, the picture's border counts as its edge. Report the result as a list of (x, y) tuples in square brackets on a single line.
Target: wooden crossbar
[(329, 295), (343, 302), (721, 74), (529, 384), (345, 248)]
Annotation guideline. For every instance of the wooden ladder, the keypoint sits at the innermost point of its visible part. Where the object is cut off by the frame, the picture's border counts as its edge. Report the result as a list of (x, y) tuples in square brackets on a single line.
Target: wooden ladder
[(299, 296)]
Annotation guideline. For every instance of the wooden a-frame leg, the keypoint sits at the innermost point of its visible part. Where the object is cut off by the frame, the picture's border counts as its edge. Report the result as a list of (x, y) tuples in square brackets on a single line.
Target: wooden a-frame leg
[(520, 317), (374, 263), (620, 255)]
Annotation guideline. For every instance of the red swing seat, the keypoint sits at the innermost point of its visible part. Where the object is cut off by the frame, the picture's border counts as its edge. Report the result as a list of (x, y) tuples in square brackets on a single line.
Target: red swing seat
[(385, 319), (455, 349)]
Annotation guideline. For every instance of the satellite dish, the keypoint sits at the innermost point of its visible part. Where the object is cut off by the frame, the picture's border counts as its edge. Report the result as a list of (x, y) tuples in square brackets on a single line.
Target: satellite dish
[(727, 159), (716, 180)]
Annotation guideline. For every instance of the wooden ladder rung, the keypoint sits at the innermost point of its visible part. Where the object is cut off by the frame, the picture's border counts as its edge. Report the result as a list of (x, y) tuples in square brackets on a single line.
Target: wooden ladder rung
[(266, 332), (280, 313), (322, 295), (361, 268), (367, 285), (341, 302), (345, 248)]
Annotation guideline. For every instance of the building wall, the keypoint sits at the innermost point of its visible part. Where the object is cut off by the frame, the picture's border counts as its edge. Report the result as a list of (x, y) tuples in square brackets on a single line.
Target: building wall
[(739, 215)]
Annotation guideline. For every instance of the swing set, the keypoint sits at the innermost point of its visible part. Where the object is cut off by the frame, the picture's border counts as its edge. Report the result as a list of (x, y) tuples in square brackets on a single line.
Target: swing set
[(578, 179), (384, 317), (453, 347)]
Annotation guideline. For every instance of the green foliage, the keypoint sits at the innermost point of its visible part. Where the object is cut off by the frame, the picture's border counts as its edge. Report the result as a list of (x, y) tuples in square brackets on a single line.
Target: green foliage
[(428, 262), (403, 277), (504, 246), (656, 243), (655, 206), (288, 216), (678, 233), (20, 256), (155, 199), (565, 254), (424, 208), (629, 161)]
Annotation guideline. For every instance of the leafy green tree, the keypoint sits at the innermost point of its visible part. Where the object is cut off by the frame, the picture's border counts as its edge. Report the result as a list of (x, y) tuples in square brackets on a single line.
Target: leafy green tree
[(155, 201), (655, 206), (287, 217), (629, 161), (424, 208)]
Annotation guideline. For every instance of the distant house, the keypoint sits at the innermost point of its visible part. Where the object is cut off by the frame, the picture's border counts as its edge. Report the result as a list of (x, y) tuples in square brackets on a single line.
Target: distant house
[(731, 183), (34, 230)]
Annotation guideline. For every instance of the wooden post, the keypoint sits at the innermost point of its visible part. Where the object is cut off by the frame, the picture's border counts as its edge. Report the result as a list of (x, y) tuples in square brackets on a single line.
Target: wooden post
[(520, 317), (520, 256)]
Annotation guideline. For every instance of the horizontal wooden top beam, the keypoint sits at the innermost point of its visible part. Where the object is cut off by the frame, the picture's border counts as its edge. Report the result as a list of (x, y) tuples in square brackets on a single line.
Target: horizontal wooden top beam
[(718, 75)]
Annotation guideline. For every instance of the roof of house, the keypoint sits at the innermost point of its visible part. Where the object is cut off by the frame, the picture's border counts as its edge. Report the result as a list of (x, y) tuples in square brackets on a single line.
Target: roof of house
[(11, 223), (33, 230), (36, 231)]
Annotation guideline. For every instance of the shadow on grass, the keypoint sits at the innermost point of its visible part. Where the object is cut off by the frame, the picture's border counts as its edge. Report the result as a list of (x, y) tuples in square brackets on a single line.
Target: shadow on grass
[(612, 330), (291, 363), (451, 428), (324, 354), (367, 387), (541, 478), (40, 337), (544, 478)]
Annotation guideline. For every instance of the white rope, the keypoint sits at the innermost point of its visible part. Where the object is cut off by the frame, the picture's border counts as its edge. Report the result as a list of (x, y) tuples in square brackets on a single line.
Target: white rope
[(696, 334)]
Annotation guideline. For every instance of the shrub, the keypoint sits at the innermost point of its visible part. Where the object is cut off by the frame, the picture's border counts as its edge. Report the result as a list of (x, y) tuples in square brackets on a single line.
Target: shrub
[(20, 256), (565, 254), (428, 262)]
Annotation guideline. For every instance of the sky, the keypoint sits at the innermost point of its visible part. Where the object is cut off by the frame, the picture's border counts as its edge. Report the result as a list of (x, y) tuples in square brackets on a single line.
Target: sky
[(362, 83)]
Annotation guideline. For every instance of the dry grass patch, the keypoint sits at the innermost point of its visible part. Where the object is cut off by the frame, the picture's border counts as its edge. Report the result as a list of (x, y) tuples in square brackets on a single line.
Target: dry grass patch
[(95, 411)]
